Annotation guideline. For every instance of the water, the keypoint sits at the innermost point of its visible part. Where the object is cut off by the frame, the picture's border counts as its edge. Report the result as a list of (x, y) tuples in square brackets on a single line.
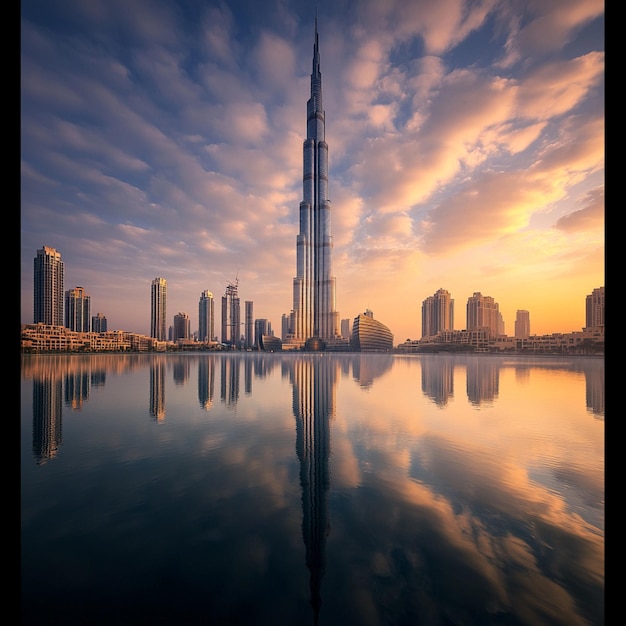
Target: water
[(301, 489)]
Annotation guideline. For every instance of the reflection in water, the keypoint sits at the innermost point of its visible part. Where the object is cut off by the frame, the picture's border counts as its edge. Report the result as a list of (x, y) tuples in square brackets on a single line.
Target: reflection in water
[(367, 367), (438, 379), (594, 387), (157, 388), (229, 391), (77, 387), (482, 380), (314, 381), (206, 382), (180, 370), (47, 414), (441, 516)]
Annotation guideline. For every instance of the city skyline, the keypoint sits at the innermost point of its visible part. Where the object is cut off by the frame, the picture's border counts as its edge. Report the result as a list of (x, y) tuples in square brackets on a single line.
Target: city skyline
[(467, 154)]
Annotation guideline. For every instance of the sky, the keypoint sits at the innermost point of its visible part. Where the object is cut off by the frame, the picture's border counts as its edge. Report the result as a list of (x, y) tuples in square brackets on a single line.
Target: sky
[(163, 138)]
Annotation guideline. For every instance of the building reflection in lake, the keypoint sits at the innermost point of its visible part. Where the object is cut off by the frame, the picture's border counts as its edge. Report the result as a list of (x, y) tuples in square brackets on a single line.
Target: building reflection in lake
[(206, 382), (438, 379), (157, 388), (314, 380), (47, 413), (59, 379), (482, 379)]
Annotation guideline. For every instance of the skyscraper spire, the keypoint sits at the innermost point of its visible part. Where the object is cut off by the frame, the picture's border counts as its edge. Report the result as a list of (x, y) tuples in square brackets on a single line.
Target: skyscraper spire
[(314, 314)]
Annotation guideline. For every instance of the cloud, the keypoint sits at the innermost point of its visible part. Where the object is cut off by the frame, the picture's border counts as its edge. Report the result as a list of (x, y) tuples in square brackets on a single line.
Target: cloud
[(589, 217)]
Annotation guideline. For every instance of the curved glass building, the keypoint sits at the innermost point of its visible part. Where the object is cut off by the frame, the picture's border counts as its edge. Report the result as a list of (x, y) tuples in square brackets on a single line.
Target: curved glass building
[(370, 335)]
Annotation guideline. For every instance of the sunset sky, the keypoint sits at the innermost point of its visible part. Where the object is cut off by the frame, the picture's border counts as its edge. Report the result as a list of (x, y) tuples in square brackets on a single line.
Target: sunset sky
[(163, 138)]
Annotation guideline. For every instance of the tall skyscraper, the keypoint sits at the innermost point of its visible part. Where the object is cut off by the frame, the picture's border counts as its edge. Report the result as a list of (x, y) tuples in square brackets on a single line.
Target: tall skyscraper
[(231, 315), (484, 311), (48, 287), (594, 309), (249, 324), (77, 310), (437, 313), (522, 324), (99, 323), (206, 317), (182, 326), (158, 310), (314, 314)]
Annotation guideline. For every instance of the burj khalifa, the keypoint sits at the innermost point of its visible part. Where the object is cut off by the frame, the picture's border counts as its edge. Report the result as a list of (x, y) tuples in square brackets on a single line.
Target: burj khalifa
[(314, 319)]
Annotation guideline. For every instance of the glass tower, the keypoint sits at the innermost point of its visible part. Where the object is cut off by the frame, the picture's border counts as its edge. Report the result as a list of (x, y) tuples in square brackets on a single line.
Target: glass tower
[(158, 309), (206, 317), (77, 310), (48, 287), (314, 314)]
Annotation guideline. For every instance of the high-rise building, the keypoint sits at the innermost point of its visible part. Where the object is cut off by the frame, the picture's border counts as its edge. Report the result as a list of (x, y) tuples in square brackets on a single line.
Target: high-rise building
[(484, 312), (345, 328), (261, 328), (182, 326), (313, 314), (522, 324), (48, 287), (437, 313), (594, 309), (206, 317), (77, 310), (231, 315), (284, 326), (158, 310), (99, 323), (249, 324)]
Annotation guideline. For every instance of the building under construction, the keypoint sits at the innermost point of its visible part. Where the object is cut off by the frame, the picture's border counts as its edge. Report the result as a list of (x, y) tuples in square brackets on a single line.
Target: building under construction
[(231, 316)]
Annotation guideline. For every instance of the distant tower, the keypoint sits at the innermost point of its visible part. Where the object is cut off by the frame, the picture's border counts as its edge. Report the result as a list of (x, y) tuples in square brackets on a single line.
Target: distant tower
[(159, 309), (522, 324), (345, 328), (437, 313), (99, 323), (484, 311), (231, 315), (249, 324), (284, 326), (206, 317), (48, 287), (314, 313), (77, 310), (594, 309), (182, 326), (261, 328)]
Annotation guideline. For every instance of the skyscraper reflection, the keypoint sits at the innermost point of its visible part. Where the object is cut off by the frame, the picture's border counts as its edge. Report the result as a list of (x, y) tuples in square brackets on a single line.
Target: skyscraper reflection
[(47, 413), (483, 380), (206, 381), (438, 379), (157, 388), (314, 380)]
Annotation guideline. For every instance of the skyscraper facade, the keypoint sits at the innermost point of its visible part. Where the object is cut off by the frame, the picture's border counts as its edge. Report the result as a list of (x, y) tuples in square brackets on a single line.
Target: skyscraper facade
[(249, 324), (484, 312), (158, 311), (99, 323), (313, 313), (182, 326), (522, 324), (231, 315), (594, 309), (48, 287), (77, 310), (437, 313), (206, 317)]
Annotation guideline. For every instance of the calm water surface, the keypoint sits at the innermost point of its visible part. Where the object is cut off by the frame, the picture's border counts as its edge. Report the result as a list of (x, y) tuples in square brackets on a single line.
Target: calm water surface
[(302, 489)]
